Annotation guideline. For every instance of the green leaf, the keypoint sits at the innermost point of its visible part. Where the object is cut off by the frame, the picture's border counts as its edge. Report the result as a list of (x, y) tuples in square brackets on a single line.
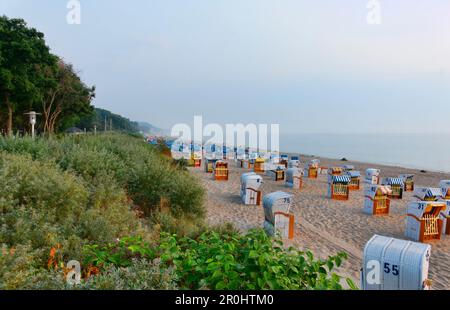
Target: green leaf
[(351, 284), (221, 285), (253, 254)]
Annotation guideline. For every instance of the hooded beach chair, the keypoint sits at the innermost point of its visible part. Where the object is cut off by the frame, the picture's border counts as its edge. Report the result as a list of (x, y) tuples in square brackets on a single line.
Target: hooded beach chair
[(423, 221), (377, 200), (277, 216), (372, 176), (396, 185), (221, 171), (250, 188), (338, 188), (294, 178)]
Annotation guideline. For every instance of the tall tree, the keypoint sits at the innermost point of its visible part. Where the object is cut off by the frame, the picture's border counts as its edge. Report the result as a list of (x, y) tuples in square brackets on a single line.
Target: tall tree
[(67, 99), (23, 54)]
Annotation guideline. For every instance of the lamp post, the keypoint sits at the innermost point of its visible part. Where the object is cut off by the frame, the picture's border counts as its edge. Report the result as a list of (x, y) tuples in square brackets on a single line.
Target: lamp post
[(32, 115)]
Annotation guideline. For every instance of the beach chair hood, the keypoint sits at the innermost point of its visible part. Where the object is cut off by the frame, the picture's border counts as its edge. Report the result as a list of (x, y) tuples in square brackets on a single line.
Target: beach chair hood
[(372, 191), (344, 179), (428, 193)]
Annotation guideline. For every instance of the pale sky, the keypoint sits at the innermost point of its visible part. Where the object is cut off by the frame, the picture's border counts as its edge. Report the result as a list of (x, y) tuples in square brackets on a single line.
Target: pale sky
[(311, 66)]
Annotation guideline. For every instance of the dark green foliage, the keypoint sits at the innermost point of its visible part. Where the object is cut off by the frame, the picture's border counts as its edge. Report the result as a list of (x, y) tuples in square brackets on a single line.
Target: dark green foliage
[(230, 260), (23, 57), (31, 78), (251, 261)]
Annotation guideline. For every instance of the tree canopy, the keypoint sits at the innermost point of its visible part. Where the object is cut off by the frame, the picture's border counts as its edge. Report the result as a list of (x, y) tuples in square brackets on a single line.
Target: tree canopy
[(32, 78)]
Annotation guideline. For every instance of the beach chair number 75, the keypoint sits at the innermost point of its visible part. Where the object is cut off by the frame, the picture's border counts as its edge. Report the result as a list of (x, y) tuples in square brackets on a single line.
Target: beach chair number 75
[(388, 269)]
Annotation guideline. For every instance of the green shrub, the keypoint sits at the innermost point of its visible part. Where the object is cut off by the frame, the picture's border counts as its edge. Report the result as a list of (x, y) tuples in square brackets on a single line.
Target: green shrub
[(38, 148), (250, 261), (231, 260), (39, 203), (185, 195), (136, 167), (152, 183), (43, 206), (93, 165)]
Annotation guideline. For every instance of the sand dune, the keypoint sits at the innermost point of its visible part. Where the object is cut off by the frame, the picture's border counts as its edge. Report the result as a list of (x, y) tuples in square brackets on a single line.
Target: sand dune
[(326, 226)]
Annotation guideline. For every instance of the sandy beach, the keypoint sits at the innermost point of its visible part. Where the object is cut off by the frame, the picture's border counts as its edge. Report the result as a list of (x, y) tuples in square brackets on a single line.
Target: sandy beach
[(326, 226)]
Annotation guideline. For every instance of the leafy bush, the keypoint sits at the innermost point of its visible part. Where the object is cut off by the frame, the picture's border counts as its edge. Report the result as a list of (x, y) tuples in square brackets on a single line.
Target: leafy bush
[(39, 203), (228, 261), (42, 206), (38, 149), (250, 261), (119, 253), (136, 167), (94, 164)]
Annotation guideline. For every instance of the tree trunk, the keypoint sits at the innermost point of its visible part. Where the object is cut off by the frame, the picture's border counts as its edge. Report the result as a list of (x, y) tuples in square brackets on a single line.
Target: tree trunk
[(53, 119), (47, 111)]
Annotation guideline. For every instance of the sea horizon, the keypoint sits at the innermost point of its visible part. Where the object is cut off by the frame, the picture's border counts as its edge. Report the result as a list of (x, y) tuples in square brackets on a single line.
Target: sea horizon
[(421, 151)]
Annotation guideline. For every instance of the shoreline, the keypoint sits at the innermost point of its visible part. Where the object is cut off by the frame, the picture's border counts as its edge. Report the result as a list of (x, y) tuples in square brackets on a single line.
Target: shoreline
[(375, 165), (371, 164)]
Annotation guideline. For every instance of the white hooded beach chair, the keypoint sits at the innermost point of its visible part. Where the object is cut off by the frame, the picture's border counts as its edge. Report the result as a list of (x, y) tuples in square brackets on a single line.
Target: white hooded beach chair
[(250, 188), (423, 221), (294, 178), (294, 162), (377, 200), (277, 216), (395, 264), (372, 176)]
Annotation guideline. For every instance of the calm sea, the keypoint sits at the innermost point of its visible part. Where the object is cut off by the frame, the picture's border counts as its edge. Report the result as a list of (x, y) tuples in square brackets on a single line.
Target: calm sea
[(420, 151)]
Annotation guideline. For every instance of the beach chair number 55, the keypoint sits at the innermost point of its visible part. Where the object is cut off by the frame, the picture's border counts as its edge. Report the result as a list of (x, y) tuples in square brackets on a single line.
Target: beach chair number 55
[(394, 270)]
